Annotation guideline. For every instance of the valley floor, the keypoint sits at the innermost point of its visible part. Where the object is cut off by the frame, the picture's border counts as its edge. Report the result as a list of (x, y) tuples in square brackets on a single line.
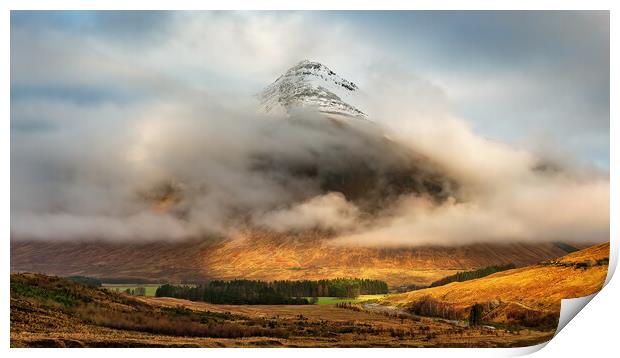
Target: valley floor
[(48, 311), (306, 326)]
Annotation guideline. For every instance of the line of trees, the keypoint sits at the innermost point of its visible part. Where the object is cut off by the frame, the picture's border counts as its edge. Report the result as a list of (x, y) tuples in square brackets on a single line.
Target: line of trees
[(275, 292), (137, 291), (85, 280), (339, 287), (471, 275), (237, 292)]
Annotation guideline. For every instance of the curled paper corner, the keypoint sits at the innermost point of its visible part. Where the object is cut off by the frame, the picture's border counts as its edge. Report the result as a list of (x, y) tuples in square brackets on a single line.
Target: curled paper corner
[(571, 307), (613, 261)]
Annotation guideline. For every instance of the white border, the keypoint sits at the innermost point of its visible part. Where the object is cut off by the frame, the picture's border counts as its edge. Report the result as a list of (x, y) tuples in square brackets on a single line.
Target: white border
[(594, 331)]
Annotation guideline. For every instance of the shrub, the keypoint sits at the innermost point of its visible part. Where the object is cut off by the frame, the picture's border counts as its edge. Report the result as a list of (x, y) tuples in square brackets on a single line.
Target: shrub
[(475, 315), (171, 325), (428, 306)]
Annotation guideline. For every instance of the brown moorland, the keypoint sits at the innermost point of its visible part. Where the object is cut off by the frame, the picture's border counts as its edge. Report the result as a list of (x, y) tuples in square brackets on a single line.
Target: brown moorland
[(54, 312)]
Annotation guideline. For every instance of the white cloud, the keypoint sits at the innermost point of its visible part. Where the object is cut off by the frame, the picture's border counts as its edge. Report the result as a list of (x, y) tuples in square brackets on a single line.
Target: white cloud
[(179, 112)]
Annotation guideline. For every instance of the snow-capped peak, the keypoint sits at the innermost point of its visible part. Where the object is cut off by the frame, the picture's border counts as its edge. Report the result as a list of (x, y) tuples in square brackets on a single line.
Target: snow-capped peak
[(311, 84)]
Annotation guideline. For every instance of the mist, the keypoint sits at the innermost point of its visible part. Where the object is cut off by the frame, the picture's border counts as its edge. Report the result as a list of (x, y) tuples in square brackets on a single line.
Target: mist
[(168, 143), (173, 171)]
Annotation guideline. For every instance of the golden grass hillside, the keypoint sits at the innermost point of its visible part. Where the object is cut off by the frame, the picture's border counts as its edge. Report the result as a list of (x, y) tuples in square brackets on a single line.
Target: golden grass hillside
[(269, 256), (266, 256), (523, 295)]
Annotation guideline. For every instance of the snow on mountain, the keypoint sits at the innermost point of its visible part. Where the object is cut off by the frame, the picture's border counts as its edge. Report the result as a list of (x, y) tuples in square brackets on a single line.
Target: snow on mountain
[(312, 85)]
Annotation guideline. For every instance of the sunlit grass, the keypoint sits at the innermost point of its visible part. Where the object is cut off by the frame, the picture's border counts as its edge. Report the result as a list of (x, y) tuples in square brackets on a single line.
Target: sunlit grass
[(148, 289), (360, 298)]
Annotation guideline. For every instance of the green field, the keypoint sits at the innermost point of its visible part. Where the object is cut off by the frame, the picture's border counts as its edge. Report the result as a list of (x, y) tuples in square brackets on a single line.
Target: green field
[(148, 288), (334, 300)]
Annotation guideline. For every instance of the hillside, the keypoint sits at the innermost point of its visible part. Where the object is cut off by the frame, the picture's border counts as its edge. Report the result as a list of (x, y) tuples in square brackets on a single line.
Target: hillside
[(529, 295), (55, 312), (261, 256), (265, 256)]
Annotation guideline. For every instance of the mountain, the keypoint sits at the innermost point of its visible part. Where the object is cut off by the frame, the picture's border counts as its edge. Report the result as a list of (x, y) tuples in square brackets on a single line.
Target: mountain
[(314, 86), (353, 158), (356, 157), (346, 153), (265, 256), (527, 296)]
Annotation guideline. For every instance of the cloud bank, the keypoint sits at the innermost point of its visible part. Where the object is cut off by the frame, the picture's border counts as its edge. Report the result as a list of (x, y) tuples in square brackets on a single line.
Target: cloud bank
[(106, 144)]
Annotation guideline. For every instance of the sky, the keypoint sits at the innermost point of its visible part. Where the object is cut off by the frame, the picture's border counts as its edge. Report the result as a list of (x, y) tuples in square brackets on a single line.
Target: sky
[(529, 78), (110, 109)]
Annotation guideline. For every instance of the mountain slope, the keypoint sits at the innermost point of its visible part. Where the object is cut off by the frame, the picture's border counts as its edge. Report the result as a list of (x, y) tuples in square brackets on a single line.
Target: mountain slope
[(263, 255), (355, 156), (528, 295), (266, 256), (55, 312)]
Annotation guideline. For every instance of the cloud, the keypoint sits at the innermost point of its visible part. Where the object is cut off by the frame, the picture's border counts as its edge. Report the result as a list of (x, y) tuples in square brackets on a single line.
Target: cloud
[(167, 143), (573, 212), (505, 193), (328, 212), (64, 226), (215, 170), (512, 75)]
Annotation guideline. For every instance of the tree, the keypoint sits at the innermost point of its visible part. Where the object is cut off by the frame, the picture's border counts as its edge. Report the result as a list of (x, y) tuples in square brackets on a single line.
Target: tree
[(140, 291), (275, 292), (475, 315)]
